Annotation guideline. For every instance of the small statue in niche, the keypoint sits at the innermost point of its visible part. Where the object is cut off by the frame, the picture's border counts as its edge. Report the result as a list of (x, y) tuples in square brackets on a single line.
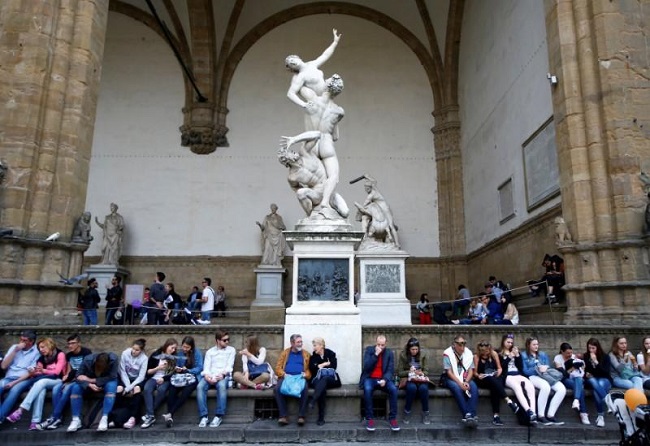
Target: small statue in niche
[(562, 234), (375, 215), (113, 228), (81, 232)]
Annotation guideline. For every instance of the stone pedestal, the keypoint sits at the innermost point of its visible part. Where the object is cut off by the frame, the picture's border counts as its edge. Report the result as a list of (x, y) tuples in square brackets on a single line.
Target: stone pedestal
[(383, 288), (268, 307), (323, 295)]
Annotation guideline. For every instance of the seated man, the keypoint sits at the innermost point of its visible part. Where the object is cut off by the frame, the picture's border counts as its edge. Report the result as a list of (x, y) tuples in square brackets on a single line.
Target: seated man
[(292, 361), (493, 304), (19, 363), (458, 362), (477, 312), (377, 373), (97, 374), (217, 370)]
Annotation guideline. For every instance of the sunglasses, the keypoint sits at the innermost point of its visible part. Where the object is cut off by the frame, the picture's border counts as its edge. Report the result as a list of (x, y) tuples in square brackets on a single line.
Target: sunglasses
[(483, 344), (461, 342), (510, 336), (225, 340)]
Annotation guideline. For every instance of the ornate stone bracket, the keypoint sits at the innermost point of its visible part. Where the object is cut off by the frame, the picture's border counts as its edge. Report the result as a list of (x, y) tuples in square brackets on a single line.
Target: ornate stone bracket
[(200, 133)]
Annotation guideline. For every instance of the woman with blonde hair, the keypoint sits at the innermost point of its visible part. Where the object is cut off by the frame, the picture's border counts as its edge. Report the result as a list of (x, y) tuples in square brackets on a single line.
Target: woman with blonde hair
[(322, 366), (46, 375), (256, 372), (625, 373)]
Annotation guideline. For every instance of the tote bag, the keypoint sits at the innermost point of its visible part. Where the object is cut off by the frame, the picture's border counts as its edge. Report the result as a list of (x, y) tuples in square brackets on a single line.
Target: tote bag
[(292, 385)]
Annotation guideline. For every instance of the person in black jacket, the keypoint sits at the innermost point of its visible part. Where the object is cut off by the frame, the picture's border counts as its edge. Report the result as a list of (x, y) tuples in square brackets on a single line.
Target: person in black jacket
[(98, 373), (89, 302), (322, 366), (598, 376), (161, 367), (114, 301)]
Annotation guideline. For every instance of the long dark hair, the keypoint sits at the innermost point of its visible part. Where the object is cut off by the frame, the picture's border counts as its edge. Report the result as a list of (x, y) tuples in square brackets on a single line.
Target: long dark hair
[(600, 353), (412, 342), (189, 357)]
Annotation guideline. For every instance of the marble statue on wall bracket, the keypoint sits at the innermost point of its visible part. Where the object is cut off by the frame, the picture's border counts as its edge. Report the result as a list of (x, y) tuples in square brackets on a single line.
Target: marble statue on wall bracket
[(81, 231)]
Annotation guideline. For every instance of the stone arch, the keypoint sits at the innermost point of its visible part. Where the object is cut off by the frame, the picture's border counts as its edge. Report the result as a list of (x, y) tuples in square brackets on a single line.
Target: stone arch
[(432, 66)]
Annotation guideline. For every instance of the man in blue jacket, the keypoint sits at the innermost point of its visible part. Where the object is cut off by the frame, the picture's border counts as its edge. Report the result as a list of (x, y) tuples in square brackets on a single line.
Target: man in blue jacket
[(377, 373)]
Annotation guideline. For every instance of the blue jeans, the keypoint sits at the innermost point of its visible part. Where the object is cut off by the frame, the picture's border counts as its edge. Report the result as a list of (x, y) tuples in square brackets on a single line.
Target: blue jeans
[(90, 317), (465, 405), (420, 389), (635, 383), (152, 403), (601, 387), (60, 397), (202, 396), (281, 400), (9, 397), (205, 315), (36, 396), (577, 385), (369, 386), (76, 398)]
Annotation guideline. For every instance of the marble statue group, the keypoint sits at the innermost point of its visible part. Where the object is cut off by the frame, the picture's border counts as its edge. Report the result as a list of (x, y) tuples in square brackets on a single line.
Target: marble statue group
[(314, 166)]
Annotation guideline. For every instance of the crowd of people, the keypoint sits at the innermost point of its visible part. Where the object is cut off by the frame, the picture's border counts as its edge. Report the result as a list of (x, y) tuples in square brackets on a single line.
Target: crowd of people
[(160, 304), (134, 385)]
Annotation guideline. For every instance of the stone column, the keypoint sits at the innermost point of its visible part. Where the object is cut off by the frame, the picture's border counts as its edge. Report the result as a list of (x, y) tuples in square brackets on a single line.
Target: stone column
[(451, 201), (598, 52), (50, 65)]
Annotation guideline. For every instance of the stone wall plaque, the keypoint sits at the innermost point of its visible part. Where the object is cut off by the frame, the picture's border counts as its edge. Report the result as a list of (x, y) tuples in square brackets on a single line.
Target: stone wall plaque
[(323, 279), (383, 278), (541, 172)]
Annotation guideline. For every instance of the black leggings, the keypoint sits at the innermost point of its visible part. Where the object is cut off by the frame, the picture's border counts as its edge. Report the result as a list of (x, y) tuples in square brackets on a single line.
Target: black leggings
[(497, 390)]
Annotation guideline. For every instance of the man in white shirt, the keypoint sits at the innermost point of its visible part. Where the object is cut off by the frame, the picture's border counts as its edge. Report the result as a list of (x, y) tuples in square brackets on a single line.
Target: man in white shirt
[(217, 370), (207, 299)]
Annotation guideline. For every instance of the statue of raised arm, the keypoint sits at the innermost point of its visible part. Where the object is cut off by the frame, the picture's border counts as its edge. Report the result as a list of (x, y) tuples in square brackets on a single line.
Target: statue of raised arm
[(307, 74)]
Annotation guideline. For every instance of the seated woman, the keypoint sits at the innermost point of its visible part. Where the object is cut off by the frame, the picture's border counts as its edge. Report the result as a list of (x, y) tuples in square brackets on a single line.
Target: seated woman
[(489, 375), (624, 371), (574, 372), (476, 314), (132, 374), (597, 374), (413, 370), (98, 374), (322, 365), (190, 361), (48, 372), (512, 363), (536, 365), (161, 366), (643, 362), (256, 371)]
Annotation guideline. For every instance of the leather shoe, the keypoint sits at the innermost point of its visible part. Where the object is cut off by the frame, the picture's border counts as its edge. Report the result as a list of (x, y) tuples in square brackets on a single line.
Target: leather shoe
[(283, 421), (301, 421)]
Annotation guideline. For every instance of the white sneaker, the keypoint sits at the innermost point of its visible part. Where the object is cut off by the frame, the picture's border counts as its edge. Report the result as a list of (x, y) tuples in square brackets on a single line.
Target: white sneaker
[(203, 422), (584, 419), (216, 421), (103, 424), (75, 425), (600, 421), (576, 405)]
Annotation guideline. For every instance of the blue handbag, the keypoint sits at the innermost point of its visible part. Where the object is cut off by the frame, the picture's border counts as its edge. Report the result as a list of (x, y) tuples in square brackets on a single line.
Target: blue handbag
[(255, 370), (292, 385)]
